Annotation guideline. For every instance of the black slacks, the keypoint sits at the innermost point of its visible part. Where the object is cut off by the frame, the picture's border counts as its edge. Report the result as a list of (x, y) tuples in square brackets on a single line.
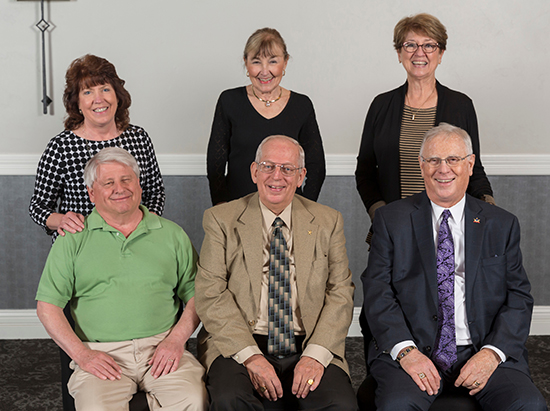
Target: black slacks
[(230, 388), (506, 390)]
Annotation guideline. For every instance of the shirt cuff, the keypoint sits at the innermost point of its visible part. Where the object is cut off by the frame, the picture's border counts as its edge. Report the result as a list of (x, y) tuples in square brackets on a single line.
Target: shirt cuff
[(495, 349), (246, 353), (399, 346), (319, 353)]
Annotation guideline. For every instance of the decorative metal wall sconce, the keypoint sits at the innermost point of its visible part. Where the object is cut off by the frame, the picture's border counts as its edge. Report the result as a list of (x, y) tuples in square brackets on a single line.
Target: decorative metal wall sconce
[(43, 26)]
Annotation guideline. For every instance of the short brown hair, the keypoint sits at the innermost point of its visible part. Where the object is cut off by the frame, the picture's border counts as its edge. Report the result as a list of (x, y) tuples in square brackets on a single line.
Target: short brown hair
[(263, 42), (89, 71), (422, 23)]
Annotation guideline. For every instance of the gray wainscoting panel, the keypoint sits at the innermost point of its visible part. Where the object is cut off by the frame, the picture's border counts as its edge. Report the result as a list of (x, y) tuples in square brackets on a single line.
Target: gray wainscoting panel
[(24, 246), (528, 197)]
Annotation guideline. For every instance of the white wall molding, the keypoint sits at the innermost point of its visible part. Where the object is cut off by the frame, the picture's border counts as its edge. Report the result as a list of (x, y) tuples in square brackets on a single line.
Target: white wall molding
[(20, 324), (24, 324), (540, 323), (337, 164)]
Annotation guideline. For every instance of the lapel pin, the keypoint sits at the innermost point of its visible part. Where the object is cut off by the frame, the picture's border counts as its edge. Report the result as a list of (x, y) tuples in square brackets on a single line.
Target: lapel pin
[(309, 232), (476, 220)]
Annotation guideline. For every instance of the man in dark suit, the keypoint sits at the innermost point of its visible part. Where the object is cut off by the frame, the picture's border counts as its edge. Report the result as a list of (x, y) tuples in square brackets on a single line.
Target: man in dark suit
[(446, 297), (234, 294)]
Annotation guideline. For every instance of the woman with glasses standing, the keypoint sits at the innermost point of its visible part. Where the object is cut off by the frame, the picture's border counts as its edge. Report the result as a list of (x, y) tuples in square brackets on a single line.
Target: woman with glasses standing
[(387, 164)]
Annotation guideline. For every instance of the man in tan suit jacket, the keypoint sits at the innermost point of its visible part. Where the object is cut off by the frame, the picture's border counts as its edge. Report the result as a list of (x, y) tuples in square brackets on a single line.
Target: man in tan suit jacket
[(231, 293)]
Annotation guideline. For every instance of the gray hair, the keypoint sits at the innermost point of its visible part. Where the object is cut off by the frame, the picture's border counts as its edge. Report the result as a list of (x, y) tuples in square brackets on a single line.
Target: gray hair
[(447, 130), (301, 160), (108, 155)]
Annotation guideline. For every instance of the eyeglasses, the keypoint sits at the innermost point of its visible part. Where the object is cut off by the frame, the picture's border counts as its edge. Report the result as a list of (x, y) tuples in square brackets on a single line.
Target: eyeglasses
[(286, 169), (452, 161), (411, 47)]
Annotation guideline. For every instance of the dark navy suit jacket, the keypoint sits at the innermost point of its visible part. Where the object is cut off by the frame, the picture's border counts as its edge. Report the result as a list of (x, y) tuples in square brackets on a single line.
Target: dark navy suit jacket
[(400, 282)]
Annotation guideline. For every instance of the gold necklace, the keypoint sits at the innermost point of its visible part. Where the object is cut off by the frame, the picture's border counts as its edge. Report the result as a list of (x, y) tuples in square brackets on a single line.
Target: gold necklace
[(419, 108), (267, 102)]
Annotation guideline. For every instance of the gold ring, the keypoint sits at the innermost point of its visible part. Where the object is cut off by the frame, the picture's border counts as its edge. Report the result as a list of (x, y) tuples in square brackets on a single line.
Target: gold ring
[(422, 375), (171, 360), (262, 389), (477, 384), (311, 381)]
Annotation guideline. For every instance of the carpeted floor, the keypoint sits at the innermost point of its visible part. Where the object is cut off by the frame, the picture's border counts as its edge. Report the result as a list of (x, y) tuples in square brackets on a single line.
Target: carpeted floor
[(30, 375)]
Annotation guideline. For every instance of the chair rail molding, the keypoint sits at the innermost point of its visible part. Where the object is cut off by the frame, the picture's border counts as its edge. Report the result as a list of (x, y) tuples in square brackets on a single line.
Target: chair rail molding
[(24, 324), (337, 164)]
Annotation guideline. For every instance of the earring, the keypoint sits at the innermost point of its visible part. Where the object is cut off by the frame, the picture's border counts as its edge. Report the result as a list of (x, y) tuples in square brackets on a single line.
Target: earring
[(284, 72), (247, 73), (80, 111)]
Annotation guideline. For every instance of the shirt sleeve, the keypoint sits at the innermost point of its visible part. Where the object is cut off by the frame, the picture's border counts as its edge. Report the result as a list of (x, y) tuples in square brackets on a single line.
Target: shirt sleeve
[(399, 346), (48, 185), (319, 353), (153, 196), (246, 353), (57, 282), (367, 171), (311, 142), (217, 155), (187, 267), (498, 351)]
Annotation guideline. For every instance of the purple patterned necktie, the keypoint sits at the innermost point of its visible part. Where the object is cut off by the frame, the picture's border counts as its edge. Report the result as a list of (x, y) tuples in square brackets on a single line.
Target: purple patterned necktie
[(444, 354), (281, 340)]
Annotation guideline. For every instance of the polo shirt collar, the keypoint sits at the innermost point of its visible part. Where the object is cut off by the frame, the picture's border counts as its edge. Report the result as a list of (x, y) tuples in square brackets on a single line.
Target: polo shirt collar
[(149, 221)]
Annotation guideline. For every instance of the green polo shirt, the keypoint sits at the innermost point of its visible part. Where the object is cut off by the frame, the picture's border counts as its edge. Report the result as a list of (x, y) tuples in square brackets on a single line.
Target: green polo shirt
[(121, 288)]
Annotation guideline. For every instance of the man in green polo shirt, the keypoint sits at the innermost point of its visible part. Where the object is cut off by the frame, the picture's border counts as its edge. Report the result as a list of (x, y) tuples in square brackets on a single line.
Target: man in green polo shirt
[(125, 275)]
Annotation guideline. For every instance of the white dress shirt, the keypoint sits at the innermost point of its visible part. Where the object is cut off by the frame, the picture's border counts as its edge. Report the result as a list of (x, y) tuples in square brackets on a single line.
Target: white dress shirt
[(456, 225), (315, 351)]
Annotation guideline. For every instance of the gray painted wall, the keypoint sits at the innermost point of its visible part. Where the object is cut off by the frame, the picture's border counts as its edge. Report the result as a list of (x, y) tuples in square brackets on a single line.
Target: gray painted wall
[(24, 246)]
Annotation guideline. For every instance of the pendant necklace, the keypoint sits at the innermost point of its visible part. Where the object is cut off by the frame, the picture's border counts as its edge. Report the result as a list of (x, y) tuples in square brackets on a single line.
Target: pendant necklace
[(419, 108), (267, 102)]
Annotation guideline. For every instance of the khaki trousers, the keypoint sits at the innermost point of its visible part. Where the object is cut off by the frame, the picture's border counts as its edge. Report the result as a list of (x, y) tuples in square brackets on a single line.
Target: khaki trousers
[(182, 389)]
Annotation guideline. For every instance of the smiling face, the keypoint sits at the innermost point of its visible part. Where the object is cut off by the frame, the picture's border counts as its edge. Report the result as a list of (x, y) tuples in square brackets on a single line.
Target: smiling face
[(98, 105), (420, 65), (276, 190), (446, 185), (266, 72), (116, 191)]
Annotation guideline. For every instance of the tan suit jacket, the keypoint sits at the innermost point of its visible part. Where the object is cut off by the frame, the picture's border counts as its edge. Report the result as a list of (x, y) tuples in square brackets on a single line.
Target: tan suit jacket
[(227, 286)]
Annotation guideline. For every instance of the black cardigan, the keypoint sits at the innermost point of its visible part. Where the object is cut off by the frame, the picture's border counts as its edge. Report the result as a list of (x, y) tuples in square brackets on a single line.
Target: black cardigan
[(377, 173)]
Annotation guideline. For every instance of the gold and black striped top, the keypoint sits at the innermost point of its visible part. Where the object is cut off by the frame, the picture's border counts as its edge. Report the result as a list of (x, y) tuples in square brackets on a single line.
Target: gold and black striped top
[(410, 140)]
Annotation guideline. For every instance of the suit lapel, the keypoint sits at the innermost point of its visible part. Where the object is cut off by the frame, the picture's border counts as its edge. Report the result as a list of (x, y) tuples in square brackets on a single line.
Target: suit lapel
[(474, 228), (304, 233), (423, 232), (251, 235)]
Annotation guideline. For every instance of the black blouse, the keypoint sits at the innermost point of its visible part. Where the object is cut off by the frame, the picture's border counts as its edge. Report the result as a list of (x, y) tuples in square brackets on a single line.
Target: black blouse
[(237, 131)]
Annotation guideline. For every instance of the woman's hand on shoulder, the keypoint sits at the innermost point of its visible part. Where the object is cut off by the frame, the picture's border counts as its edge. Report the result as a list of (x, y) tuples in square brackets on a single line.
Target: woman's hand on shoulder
[(71, 222)]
